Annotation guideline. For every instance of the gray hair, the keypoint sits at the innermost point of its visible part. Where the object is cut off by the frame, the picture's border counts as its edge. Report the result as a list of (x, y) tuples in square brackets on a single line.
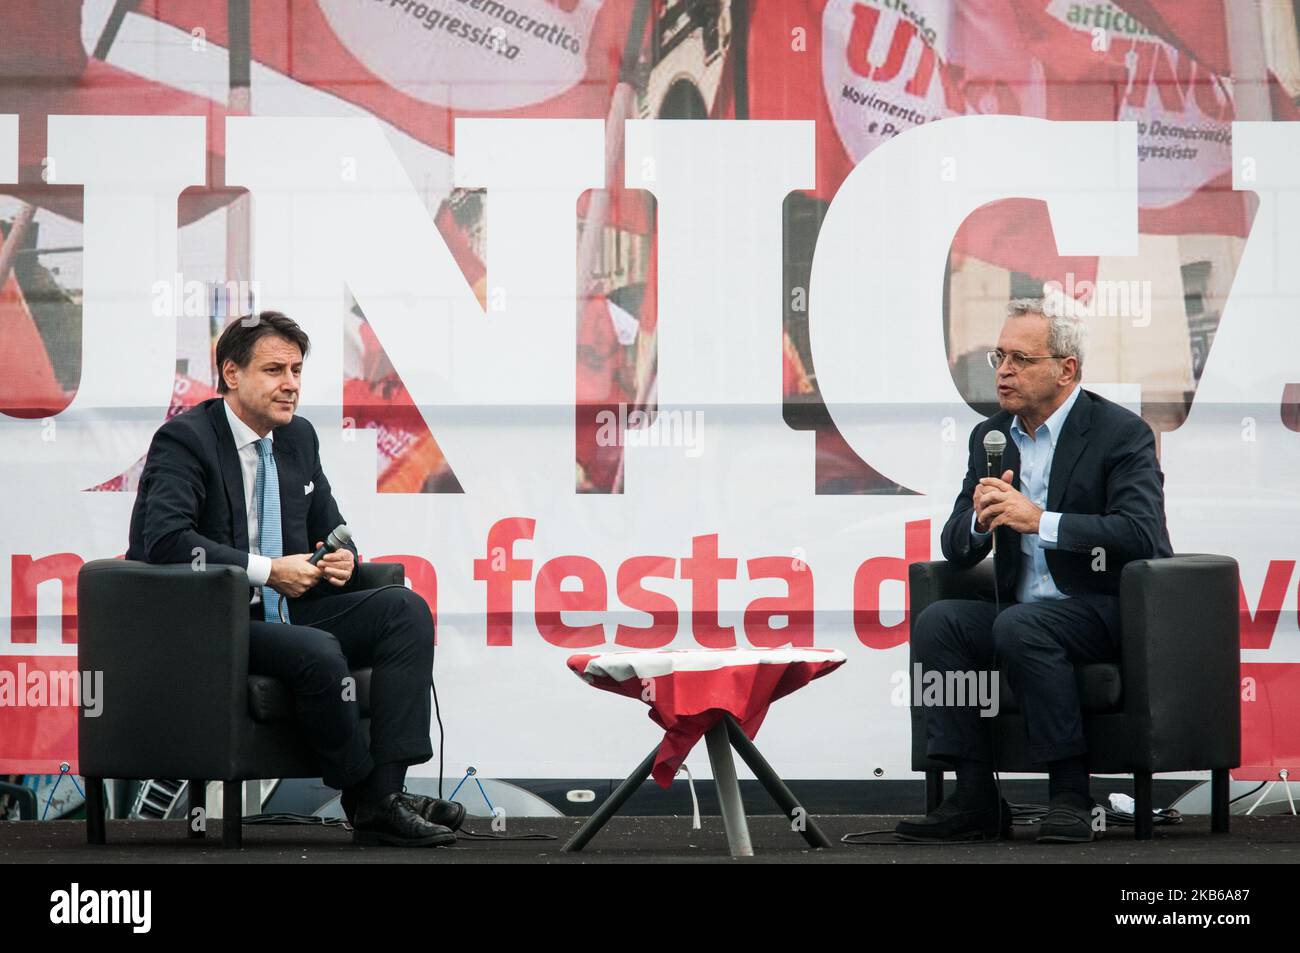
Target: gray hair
[(1067, 335)]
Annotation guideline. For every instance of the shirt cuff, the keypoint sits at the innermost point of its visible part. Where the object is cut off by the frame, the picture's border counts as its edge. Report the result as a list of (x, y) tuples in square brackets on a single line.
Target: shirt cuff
[(1048, 525), (259, 570), (978, 536)]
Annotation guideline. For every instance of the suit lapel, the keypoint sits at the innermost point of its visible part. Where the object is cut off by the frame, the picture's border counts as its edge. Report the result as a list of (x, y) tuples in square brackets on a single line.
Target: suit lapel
[(1069, 447), (232, 475), (286, 465)]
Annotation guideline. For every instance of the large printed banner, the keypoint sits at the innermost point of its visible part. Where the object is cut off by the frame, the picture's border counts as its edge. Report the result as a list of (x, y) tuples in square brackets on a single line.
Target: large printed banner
[(569, 466)]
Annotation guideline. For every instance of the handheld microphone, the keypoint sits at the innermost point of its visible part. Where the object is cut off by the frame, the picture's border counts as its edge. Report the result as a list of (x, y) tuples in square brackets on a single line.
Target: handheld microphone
[(995, 443), (340, 536)]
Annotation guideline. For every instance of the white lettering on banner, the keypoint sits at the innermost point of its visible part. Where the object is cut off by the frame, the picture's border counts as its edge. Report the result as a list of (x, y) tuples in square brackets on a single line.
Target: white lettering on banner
[(731, 537), (497, 387), (720, 187), (8, 148), (1226, 494), (133, 169), (877, 272)]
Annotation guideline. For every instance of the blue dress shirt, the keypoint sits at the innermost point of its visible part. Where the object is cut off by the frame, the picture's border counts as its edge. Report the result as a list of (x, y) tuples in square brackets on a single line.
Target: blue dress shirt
[(1035, 582)]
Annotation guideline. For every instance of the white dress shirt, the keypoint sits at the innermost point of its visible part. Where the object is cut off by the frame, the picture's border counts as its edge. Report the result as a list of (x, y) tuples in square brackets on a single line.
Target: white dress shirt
[(259, 566)]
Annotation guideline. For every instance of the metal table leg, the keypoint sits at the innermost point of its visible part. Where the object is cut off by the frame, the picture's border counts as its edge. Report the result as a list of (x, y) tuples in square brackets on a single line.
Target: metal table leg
[(771, 781), (724, 777), (609, 807)]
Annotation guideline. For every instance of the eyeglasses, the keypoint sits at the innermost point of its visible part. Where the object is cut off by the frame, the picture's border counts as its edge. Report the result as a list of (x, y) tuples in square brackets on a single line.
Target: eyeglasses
[(1019, 360)]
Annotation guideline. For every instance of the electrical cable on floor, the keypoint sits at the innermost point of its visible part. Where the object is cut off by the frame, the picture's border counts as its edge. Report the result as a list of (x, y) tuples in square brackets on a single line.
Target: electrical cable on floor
[(341, 822), (467, 834), (309, 820), (436, 709), (297, 820), (1022, 815)]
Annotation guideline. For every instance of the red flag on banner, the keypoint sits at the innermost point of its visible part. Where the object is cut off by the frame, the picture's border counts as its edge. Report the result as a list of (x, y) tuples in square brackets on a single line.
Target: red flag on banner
[(42, 44), (529, 58), (628, 209), (471, 266), (28, 387), (1178, 98), (867, 73), (104, 90), (786, 79), (408, 455), (1197, 26), (44, 72), (374, 398), (600, 392), (994, 76)]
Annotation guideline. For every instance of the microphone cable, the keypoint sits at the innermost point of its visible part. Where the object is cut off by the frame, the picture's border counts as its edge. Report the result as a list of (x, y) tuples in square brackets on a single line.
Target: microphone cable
[(442, 735), (995, 673), (859, 839)]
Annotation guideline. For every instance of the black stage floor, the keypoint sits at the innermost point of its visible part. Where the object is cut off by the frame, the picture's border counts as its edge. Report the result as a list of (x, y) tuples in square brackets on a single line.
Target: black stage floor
[(654, 840)]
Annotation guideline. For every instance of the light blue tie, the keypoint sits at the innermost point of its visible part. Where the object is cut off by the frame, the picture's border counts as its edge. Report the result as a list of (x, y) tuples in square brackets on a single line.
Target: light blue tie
[(268, 522)]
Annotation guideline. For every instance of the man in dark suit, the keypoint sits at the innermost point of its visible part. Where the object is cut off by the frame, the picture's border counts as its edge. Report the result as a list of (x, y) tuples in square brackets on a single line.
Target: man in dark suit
[(1081, 495), (237, 480)]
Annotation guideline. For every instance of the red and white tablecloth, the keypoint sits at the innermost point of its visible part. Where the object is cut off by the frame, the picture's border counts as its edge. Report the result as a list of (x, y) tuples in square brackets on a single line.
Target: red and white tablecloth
[(689, 690)]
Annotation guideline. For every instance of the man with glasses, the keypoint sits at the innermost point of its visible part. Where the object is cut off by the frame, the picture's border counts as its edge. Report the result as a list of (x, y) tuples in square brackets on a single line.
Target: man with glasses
[(1082, 494)]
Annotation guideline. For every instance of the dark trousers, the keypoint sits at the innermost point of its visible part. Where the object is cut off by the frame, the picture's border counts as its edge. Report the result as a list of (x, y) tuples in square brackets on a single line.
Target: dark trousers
[(390, 632), (1037, 645)]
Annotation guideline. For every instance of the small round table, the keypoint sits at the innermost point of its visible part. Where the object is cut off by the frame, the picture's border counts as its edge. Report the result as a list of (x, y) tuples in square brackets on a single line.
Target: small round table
[(721, 695)]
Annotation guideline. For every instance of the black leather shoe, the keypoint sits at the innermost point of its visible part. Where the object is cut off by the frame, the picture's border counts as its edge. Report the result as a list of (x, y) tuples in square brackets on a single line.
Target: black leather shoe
[(450, 814), (1067, 823), (392, 822), (953, 821)]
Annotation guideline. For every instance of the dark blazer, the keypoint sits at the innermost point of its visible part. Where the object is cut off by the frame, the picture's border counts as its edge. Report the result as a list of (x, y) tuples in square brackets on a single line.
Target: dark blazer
[(192, 494), (1105, 481)]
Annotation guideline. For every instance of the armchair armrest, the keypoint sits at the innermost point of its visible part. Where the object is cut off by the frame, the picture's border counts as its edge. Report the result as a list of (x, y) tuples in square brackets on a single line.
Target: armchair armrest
[(931, 581), (373, 575), (172, 644), (1181, 656)]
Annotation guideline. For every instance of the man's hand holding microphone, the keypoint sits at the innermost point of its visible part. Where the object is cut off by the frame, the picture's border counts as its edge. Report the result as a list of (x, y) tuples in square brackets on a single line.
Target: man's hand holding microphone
[(998, 503), (293, 575)]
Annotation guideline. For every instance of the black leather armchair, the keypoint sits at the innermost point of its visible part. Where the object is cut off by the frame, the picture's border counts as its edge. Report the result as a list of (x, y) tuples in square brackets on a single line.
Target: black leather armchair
[(179, 702), (1172, 702)]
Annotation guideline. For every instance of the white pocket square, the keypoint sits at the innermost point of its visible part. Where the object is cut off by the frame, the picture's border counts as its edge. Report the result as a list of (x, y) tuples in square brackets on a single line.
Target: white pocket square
[(309, 487)]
